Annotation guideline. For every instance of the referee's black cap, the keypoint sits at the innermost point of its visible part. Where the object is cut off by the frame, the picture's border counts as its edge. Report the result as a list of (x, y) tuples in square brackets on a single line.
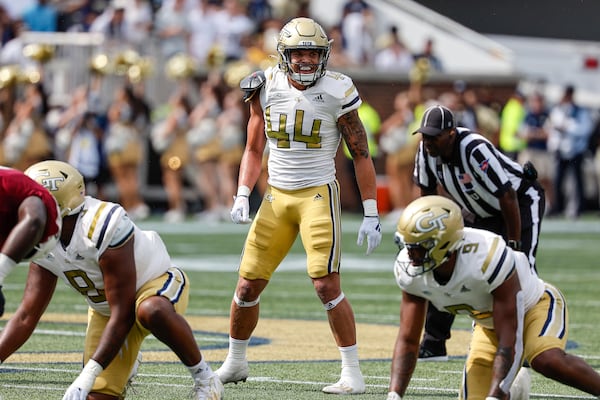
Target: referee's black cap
[(436, 120)]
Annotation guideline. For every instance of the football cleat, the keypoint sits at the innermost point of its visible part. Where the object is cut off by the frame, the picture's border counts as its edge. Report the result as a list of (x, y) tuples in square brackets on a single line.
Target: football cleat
[(351, 382), (433, 351), (208, 389), (521, 386), (233, 371)]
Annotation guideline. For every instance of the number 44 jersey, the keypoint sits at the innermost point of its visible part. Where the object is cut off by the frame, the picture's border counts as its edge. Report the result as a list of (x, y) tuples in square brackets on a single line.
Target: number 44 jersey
[(301, 127), (483, 263)]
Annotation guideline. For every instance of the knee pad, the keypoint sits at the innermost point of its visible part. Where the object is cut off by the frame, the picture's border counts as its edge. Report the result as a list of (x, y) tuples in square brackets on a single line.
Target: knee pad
[(242, 303), (330, 305)]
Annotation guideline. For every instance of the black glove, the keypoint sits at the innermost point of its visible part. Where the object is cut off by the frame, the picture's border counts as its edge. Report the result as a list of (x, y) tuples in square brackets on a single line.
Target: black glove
[(1, 302)]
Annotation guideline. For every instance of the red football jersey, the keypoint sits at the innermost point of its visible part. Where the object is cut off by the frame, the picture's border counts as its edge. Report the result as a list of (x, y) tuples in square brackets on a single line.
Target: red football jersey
[(15, 186)]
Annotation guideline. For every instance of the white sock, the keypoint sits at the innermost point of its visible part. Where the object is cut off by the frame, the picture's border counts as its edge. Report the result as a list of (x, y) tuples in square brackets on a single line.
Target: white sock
[(237, 348), (349, 356), (201, 370)]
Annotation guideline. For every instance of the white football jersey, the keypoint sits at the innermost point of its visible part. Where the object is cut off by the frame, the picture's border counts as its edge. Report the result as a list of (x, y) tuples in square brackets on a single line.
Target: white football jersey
[(483, 263), (301, 127), (102, 225)]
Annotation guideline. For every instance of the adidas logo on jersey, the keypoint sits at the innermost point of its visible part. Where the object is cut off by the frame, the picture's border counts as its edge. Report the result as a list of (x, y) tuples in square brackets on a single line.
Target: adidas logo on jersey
[(318, 99), (318, 197)]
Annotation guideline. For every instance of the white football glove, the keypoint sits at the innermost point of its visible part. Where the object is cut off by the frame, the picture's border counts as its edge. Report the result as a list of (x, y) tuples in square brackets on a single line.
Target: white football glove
[(393, 396), (80, 388), (371, 228), (240, 212)]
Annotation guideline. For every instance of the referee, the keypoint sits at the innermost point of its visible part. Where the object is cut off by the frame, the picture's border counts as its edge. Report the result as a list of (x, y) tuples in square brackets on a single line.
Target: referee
[(494, 192)]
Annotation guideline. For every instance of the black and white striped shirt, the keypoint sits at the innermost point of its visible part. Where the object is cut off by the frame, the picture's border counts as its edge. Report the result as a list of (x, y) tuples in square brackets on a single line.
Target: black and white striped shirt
[(476, 177)]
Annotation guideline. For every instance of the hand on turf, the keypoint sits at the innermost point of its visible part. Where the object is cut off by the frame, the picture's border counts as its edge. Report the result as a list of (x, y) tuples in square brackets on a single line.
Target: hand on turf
[(80, 388), (371, 228), (240, 212), (76, 393)]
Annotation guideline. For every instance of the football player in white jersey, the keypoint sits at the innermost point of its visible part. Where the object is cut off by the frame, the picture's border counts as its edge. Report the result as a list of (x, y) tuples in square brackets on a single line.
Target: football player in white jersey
[(128, 280), (300, 111), (473, 272)]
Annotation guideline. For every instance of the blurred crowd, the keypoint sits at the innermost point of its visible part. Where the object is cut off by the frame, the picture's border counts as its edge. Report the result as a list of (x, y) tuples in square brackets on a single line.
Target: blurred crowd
[(197, 134), (559, 138), (212, 29)]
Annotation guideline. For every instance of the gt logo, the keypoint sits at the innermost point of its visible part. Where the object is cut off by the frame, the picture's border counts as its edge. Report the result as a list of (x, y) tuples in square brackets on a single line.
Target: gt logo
[(52, 183), (427, 222), (49, 183)]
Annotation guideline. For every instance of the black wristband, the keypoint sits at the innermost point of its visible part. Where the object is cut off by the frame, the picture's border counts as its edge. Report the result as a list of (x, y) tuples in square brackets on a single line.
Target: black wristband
[(514, 244)]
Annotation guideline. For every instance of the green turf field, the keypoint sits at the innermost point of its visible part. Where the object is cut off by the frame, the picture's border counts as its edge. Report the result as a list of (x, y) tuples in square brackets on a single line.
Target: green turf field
[(293, 355)]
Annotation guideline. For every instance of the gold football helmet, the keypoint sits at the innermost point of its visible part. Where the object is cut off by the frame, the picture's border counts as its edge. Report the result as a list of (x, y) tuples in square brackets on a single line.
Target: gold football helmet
[(431, 228), (63, 181), (303, 33)]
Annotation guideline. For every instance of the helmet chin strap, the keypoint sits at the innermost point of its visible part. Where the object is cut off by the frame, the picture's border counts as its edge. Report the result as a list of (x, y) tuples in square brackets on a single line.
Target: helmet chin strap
[(75, 210)]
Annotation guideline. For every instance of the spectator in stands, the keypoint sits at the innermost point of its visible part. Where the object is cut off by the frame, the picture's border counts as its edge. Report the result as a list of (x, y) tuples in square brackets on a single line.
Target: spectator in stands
[(125, 150), (259, 10), (111, 23), (138, 22), (172, 29), (338, 58), (393, 56), (86, 22), (78, 139), (71, 13), (357, 30), (355, 6), (26, 141), (86, 153), (205, 146), (12, 52), (400, 147), (169, 140), (511, 118), (67, 118), (260, 49), (43, 17), (234, 28), (428, 54), (284, 10), (7, 29), (451, 99), (203, 26), (486, 120), (534, 132), (570, 127)]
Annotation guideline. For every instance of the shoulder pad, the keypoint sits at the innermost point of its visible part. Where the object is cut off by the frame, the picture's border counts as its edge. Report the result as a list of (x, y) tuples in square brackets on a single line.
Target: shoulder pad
[(252, 84)]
